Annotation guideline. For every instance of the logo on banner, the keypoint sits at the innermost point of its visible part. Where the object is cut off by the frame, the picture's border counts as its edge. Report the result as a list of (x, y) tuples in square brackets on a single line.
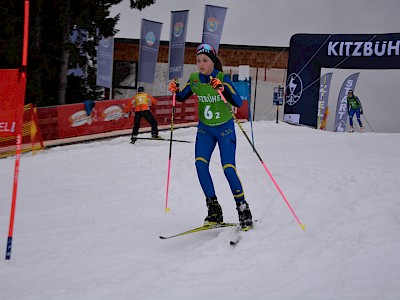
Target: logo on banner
[(112, 113), (341, 126), (321, 105), (377, 48), (178, 29), (105, 43), (7, 126), (294, 89), (150, 38), (322, 90), (175, 69), (80, 118), (212, 24)]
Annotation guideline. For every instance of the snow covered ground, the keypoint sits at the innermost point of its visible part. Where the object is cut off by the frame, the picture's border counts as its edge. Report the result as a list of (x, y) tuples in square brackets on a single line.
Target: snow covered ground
[(89, 217)]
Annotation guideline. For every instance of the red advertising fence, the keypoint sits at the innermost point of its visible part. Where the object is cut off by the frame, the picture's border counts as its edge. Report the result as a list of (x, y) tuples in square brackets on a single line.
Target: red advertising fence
[(66, 121), (12, 91)]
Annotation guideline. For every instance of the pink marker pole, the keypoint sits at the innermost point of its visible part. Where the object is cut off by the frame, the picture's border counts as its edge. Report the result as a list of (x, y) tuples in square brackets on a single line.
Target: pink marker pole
[(264, 165), (167, 209)]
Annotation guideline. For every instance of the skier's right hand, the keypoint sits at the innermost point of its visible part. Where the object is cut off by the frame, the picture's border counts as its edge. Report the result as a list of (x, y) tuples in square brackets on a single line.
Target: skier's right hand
[(173, 87)]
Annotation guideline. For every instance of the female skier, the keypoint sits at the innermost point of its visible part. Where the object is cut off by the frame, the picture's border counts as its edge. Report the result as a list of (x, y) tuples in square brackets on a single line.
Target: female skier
[(216, 126), (354, 107)]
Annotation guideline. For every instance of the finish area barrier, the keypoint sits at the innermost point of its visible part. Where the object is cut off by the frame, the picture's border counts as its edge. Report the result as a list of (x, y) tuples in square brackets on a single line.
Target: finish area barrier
[(107, 116)]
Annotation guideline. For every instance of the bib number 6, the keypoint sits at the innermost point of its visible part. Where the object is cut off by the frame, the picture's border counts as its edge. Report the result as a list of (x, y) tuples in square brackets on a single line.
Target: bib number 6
[(208, 114)]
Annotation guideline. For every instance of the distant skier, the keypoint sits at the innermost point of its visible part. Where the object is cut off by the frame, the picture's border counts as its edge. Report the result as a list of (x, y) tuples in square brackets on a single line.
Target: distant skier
[(354, 107), (215, 126)]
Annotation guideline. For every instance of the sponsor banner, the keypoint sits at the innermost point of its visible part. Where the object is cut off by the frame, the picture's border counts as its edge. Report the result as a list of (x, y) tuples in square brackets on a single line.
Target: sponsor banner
[(12, 96), (71, 120), (179, 20), (310, 52), (324, 86), (105, 60), (111, 115), (148, 50), (105, 116), (214, 18), (341, 107)]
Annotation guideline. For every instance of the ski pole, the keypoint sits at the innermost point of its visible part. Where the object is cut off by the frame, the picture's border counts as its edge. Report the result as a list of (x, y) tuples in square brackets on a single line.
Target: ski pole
[(251, 125), (19, 135), (302, 226), (368, 123), (167, 209)]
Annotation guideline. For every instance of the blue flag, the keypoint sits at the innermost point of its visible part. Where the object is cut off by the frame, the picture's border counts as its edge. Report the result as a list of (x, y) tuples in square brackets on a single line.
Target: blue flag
[(213, 24), (148, 50), (105, 59), (341, 107), (177, 42)]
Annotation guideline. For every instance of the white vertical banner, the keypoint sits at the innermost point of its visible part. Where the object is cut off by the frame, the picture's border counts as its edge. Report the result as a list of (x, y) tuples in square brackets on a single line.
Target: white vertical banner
[(324, 86), (341, 107)]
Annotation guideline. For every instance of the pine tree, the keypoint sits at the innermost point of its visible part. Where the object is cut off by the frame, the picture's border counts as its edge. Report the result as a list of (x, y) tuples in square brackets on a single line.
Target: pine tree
[(51, 53)]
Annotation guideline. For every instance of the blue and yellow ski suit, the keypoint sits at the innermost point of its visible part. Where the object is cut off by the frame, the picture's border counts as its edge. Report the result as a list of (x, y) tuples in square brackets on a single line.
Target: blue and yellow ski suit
[(216, 126)]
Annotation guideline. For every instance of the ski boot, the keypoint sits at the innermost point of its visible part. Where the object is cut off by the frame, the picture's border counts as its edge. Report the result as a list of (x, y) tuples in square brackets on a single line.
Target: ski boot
[(133, 139), (362, 129), (245, 217), (214, 212), (156, 137), (351, 129)]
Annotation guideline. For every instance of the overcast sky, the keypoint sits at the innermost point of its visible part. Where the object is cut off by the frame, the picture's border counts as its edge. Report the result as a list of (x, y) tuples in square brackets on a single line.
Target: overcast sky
[(267, 22)]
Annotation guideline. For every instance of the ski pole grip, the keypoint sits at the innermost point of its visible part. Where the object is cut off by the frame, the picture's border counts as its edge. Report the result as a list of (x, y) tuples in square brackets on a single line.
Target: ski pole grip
[(176, 82)]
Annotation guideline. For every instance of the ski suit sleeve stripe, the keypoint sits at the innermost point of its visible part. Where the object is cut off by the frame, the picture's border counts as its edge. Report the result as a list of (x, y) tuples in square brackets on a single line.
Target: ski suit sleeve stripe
[(359, 103), (230, 93), (185, 93)]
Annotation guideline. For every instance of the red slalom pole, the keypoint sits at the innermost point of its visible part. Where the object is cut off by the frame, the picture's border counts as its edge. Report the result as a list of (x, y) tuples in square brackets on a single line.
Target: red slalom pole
[(26, 35), (14, 197), (302, 226), (19, 133), (167, 209)]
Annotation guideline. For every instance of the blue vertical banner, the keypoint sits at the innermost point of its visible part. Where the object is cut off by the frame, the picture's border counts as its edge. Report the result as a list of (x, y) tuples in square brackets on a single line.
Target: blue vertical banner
[(324, 86), (79, 37), (148, 50), (214, 18), (341, 107), (105, 59), (179, 20)]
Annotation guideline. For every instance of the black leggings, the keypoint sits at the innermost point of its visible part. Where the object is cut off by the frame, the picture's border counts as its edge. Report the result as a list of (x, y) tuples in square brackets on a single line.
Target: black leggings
[(149, 118)]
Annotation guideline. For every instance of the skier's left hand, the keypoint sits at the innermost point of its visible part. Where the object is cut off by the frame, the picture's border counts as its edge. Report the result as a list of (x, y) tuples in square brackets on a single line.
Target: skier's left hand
[(362, 112), (216, 84)]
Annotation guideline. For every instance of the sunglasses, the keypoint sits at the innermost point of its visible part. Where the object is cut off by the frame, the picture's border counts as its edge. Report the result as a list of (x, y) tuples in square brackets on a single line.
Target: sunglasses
[(206, 47)]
